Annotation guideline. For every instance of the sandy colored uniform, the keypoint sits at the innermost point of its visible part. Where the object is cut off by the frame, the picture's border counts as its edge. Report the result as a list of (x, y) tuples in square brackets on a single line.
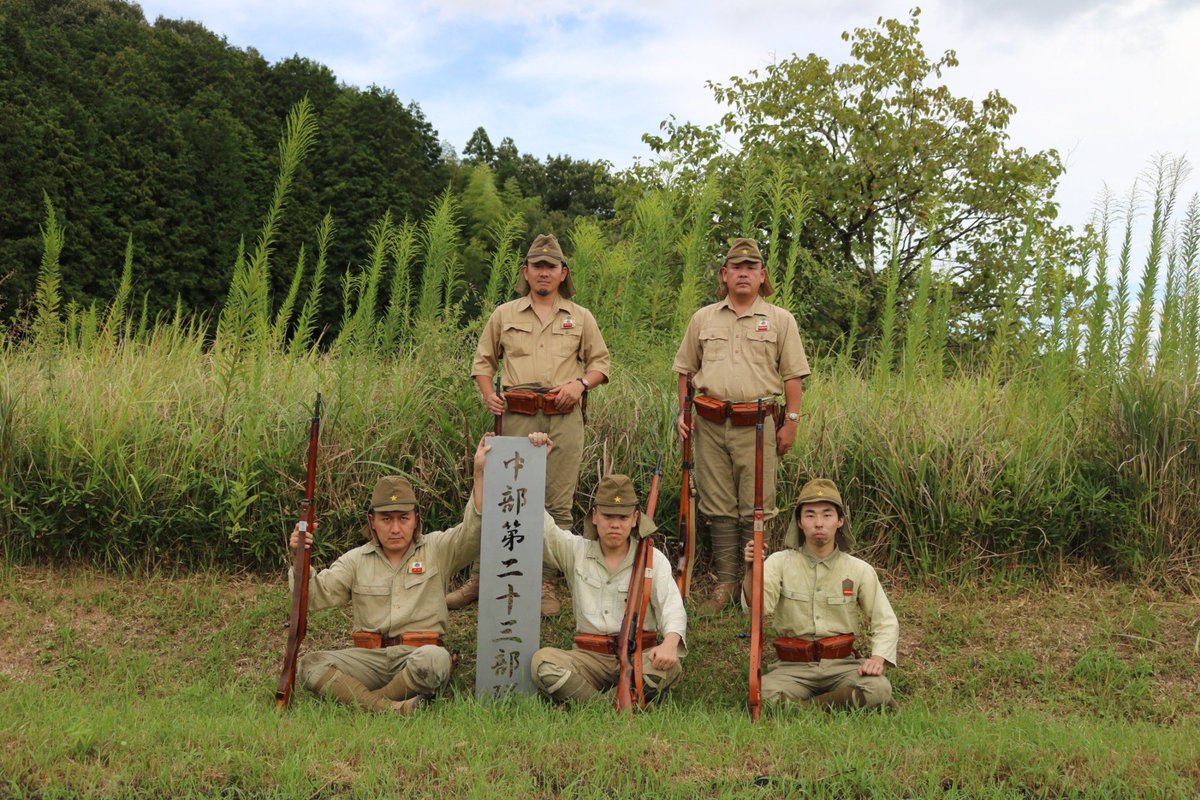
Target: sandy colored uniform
[(739, 358), (542, 355), (599, 599), (811, 598), (390, 601)]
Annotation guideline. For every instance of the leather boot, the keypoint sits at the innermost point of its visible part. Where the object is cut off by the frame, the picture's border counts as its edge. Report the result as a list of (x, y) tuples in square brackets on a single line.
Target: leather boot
[(551, 605), (464, 595), (722, 594), (842, 697)]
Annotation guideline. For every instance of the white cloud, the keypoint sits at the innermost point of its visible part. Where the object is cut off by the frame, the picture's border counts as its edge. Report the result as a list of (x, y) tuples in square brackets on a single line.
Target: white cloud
[(1108, 85)]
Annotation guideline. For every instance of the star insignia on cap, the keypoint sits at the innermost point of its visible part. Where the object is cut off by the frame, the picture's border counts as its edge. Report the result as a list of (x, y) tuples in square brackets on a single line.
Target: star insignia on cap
[(393, 497), (820, 492), (616, 498)]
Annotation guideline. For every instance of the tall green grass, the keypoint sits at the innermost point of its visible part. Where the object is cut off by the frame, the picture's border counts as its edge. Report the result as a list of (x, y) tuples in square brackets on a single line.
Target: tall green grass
[(1071, 433)]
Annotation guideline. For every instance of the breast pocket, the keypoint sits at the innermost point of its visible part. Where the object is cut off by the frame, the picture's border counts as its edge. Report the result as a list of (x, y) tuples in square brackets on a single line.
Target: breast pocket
[(761, 347), (566, 342), (798, 602), (372, 603), (516, 338), (714, 345), (414, 579)]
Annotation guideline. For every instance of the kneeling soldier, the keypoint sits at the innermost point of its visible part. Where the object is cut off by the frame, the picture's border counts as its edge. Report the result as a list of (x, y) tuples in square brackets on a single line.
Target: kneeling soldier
[(598, 567), (396, 585), (819, 596)]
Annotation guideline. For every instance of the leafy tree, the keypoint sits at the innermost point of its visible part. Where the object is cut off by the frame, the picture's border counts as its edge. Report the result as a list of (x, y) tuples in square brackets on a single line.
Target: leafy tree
[(889, 156)]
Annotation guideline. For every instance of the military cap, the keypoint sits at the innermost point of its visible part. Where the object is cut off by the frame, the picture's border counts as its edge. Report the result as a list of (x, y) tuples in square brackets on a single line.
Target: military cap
[(743, 249), (393, 493), (615, 495), (545, 249)]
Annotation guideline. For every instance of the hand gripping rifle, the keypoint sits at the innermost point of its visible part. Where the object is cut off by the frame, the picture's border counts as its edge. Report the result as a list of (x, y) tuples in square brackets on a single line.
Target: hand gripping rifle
[(298, 620), (687, 506), (630, 692), (756, 575)]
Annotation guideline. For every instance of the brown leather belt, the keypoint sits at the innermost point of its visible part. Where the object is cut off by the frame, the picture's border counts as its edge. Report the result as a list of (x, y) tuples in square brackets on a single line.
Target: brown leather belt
[(529, 402), (607, 645), (373, 641), (739, 414), (808, 650)]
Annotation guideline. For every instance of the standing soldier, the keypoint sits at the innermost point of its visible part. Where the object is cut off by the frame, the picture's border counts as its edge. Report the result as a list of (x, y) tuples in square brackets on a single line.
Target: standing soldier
[(821, 596), (552, 353), (734, 352)]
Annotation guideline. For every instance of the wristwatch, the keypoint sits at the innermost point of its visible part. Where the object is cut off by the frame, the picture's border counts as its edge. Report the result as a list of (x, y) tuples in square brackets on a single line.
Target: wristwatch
[(792, 416), (582, 379)]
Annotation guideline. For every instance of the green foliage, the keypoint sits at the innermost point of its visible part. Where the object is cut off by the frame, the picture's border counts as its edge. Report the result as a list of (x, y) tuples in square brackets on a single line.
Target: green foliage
[(886, 154)]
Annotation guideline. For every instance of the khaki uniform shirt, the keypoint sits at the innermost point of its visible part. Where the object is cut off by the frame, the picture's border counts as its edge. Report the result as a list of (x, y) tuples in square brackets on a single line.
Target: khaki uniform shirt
[(814, 598), (391, 600), (537, 354), (599, 595), (741, 357)]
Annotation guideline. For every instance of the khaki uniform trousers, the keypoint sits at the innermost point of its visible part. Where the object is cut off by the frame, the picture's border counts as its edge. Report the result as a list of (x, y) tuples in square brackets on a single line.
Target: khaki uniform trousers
[(562, 464), (725, 468), (553, 668), (787, 680), (426, 669)]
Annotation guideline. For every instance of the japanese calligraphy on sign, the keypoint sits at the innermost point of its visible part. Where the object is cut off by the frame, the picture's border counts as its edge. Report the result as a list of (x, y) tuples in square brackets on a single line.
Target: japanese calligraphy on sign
[(510, 566)]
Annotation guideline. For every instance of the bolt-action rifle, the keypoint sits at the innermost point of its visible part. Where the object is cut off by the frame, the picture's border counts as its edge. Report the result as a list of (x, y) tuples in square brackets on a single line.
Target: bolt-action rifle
[(687, 506), (756, 575), (298, 620), (498, 419), (630, 690)]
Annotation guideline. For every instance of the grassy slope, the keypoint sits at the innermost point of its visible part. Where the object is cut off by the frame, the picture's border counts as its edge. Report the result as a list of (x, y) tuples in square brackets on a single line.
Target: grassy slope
[(163, 685)]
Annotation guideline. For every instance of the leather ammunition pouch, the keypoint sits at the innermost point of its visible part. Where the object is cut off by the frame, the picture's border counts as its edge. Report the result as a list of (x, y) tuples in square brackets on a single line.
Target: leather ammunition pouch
[(739, 414), (808, 650), (529, 402), (607, 645), (372, 640)]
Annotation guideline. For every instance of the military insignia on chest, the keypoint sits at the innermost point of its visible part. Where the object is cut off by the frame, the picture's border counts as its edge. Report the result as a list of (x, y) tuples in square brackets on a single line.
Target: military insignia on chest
[(848, 588), (416, 568), (569, 322), (763, 324)]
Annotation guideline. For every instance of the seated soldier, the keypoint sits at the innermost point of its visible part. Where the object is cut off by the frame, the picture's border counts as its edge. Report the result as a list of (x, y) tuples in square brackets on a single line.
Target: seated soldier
[(597, 568), (396, 585), (819, 596)]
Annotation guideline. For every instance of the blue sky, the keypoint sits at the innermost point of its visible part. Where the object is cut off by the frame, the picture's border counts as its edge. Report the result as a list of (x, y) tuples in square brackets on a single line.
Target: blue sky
[(1108, 84)]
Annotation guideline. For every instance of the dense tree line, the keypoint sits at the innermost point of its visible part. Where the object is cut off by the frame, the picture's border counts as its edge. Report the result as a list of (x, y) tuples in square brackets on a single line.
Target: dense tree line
[(166, 133)]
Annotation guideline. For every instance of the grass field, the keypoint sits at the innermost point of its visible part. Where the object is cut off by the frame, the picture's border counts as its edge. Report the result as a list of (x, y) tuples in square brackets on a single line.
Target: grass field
[(162, 685)]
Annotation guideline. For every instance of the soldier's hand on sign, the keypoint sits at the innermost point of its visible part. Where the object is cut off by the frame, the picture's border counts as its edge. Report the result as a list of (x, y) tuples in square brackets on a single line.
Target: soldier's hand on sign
[(539, 439)]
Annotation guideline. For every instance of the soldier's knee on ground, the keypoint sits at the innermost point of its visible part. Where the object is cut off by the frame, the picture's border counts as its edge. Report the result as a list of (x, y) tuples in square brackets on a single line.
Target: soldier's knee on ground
[(428, 668), (554, 677), (655, 683), (876, 690), (311, 670)]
